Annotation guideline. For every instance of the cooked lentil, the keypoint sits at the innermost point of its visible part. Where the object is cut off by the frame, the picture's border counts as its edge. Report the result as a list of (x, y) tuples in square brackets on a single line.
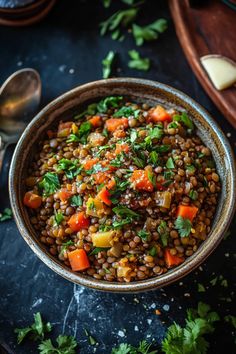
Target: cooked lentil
[(124, 192)]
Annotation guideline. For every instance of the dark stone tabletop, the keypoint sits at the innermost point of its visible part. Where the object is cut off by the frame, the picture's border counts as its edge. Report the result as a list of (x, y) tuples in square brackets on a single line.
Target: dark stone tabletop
[(67, 51)]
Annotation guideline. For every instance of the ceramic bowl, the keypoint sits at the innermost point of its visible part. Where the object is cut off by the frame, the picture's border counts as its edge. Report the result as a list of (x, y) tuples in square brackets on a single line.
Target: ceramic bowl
[(139, 90)]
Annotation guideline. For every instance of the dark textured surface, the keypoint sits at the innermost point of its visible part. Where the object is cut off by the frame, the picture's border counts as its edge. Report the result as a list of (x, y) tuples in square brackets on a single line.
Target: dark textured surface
[(67, 51)]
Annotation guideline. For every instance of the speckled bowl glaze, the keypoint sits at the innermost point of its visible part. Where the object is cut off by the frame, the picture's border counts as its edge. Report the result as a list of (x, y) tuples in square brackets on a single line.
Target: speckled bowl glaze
[(138, 90)]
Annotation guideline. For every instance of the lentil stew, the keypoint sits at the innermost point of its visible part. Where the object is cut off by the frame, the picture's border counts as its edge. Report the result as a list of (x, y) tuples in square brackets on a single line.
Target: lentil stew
[(123, 191)]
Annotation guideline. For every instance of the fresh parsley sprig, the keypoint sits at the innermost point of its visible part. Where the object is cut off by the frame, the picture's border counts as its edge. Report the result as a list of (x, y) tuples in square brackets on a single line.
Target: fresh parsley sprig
[(183, 226), (6, 214), (137, 62), (49, 183), (149, 32), (107, 64), (65, 345), (36, 331)]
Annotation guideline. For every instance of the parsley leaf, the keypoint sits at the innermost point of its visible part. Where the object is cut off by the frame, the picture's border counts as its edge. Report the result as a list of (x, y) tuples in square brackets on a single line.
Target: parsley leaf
[(109, 102), (137, 62), (170, 163), (76, 200), (120, 18), (138, 162), (91, 110), (71, 168), (82, 134), (193, 194), (183, 226), (143, 348), (36, 331), (149, 32), (153, 251), (96, 168), (184, 118), (127, 111), (65, 345), (65, 245), (50, 183), (59, 217), (164, 234), (107, 64), (144, 235), (122, 210), (6, 214), (119, 223), (153, 157)]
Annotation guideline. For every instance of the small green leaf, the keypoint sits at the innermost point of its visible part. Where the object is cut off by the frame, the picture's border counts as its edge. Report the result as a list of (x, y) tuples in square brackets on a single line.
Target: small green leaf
[(76, 200), (183, 226), (137, 62), (170, 163), (58, 217), (107, 64), (6, 215), (49, 183)]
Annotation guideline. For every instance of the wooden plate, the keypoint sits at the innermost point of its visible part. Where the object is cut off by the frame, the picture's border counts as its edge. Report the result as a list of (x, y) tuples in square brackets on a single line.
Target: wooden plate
[(208, 29)]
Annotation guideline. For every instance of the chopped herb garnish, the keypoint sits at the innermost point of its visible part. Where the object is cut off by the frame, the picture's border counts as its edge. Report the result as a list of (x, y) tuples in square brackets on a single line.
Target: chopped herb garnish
[(191, 168), (76, 200), (138, 162), (133, 136), (6, 214), (91, 110), (122, 210), (168, 175), (119, 160), (170, 163), (153, 251), (127, 111), (162, 148), (120, 18), (183, 226), (153, 157), (184, 118), (119, 223), (109, 102), (107, 64), (201, 288), (65, 345), (164, 233), (49, 184), (149, 32), (65, 245), (71, 168), (96, 168), (58, 217), (152, 178), (193, 194), (144, 235), (136, 62), (104, 228), (36, 331), (82, 134)]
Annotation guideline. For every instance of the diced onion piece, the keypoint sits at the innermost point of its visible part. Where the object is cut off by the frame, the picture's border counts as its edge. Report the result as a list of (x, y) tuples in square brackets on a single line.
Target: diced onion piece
[(103, 239), (221, 70), (163, 199), (123, 271)]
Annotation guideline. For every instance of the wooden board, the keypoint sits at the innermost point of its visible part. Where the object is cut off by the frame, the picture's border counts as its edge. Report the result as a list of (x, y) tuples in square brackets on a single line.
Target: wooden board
[(208, 29)]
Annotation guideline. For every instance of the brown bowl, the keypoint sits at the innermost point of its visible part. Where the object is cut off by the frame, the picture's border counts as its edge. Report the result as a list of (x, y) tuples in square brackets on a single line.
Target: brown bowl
[(139, 90)]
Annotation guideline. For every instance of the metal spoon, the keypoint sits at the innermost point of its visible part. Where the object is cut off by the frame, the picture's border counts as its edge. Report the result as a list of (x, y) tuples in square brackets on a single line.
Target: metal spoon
[(19, 99)]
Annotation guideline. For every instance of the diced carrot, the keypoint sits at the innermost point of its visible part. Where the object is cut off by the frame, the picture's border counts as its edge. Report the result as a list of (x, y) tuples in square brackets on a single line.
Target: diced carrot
[(78, 221), (104, 196), (64, 195), (109, 155), (100, 177), (187, 212), (78, 260), (141, 181), (64, 125), (119, 133), (90, 163), (121, 148), (109, 168), (96, 121), (32, 200), (113, 124), (159, 114), (111, 184), (172, 260)]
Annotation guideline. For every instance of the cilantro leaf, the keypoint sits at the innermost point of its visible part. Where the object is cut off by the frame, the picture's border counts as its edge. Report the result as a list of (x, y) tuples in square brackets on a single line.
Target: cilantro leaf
[(137, 62), (120, 18), (90, 110), (149, 32), (138, 162), (119, 223), (76, 200), (82, 134), (71, 168), (183, 226), (143, 348), (59, 217), (65, 245), (153, 157), (184, 118), (109, 102), (127, 111), (6, 214), (121, 210), (36, 331), (107, 64), (164, 234), (49, 184), (170, 163), (144, 235), (193, 194), (65, 345)]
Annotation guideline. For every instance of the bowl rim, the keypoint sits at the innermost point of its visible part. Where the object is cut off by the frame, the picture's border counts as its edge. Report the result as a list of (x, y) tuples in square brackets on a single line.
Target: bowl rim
[(151, 283)]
